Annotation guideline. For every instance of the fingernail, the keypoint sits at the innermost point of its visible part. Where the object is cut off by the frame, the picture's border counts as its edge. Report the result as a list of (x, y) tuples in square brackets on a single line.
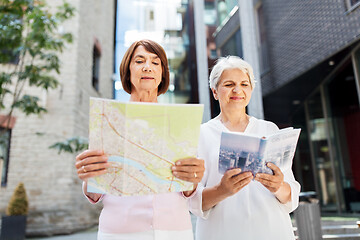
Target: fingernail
[(175, 174), (178, 163), (173, 168), (268, 164)]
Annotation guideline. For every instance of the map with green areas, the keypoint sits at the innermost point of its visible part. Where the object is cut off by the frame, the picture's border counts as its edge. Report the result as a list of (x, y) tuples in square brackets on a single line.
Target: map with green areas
[(143, 141)]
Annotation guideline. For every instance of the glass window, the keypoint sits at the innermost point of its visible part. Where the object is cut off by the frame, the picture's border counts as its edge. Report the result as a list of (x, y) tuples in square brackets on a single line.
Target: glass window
[(321, 153), (302, 166), (344, 119), (9, 51), (210, 13), (96, 67), (233, 46), (263, 48), (352, 4), (4, 154), (171, 24)]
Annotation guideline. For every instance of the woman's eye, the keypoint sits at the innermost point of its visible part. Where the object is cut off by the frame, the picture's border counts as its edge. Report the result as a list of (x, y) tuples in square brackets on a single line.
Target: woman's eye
[(228, 85), (155, 63), (245, 84), (139, 61)]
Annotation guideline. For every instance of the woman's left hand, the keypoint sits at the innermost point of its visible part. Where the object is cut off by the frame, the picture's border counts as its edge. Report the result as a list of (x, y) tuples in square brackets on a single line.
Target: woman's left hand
[(271, 182), (275, 183), (189, 169)]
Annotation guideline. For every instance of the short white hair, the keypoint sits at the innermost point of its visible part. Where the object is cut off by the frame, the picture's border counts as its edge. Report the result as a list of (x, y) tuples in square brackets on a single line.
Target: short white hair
[(230, 62)]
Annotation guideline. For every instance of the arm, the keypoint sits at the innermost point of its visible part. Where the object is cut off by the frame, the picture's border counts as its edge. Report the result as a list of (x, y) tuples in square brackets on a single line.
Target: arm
[(232, 182)]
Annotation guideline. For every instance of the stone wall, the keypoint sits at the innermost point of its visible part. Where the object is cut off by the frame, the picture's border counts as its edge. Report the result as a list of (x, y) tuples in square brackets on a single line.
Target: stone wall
[(54, 191)]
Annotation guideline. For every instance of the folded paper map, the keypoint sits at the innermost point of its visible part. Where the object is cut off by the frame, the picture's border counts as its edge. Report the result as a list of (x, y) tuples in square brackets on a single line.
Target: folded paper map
[(143, 141)]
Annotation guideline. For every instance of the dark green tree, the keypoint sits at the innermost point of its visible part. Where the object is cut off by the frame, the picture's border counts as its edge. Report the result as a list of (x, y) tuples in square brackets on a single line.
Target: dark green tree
[(30, 41)]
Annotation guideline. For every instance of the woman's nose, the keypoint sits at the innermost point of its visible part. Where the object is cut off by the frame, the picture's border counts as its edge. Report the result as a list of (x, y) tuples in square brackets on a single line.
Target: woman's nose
[(236, 89), (146, 67)]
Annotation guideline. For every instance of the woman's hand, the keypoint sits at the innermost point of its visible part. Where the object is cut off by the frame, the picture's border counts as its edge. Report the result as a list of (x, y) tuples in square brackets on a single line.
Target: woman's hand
[(233, 181), (91, 163), (189, 169), (275, 183)]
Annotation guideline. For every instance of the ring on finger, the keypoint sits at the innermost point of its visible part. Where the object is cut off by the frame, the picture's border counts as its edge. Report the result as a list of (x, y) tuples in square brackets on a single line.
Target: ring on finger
[(83, 168), (195, 175)]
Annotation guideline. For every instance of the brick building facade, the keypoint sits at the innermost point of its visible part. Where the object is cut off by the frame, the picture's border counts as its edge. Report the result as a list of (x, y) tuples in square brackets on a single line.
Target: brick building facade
[(56, 203)]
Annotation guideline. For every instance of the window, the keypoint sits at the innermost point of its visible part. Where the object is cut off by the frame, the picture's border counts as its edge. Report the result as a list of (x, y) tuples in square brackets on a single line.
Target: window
[(210, 13), (213, 54), (352, 4), (263, 48), (10, 43), (96, 65), (5, 136)]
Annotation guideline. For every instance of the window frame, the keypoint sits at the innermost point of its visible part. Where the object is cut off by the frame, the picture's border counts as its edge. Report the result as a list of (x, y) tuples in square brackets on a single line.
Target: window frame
[(5, 164), (95, 78), (351, 6)]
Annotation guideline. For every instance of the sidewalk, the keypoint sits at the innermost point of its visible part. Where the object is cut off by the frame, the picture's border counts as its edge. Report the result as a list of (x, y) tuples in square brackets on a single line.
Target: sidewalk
[(90, 234)]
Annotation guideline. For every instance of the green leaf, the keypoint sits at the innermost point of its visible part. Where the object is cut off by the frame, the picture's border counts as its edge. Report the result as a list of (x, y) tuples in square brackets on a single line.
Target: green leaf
[(30, 28), (29, 105), (71, 145)]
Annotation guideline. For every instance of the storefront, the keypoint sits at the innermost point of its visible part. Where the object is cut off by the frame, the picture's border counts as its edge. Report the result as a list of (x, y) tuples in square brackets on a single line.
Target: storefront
[(328, 154)]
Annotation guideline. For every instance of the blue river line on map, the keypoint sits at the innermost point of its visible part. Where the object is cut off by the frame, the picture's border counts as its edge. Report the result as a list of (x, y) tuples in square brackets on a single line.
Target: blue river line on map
[(138, 166)]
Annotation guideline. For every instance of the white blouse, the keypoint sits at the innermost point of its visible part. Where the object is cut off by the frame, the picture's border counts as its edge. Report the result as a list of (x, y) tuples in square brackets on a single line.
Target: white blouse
[(252, 213)]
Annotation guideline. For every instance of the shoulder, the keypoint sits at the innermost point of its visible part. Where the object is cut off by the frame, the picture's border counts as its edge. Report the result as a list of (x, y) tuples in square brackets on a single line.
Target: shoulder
[(264, 125), (210, 130), (209, 125)]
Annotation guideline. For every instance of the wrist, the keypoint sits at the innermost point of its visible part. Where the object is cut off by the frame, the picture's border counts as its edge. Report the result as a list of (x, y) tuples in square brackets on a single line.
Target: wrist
[(220, 192), (280, 188)]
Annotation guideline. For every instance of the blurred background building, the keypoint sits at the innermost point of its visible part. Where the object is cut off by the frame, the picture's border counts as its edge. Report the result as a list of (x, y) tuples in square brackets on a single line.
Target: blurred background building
[(306, 57), (309, 69), (56, 202)]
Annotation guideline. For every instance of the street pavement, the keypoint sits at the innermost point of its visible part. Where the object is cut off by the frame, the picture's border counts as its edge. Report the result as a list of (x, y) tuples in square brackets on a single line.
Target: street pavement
[(90, 234)]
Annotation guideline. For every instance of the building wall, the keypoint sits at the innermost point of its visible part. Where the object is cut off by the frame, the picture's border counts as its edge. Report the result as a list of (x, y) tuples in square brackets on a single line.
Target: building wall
[(54, 191), (303, 33)]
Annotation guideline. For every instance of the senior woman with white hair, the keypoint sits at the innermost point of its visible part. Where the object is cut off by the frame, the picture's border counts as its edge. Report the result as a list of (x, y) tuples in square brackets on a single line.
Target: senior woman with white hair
[(238, 205)]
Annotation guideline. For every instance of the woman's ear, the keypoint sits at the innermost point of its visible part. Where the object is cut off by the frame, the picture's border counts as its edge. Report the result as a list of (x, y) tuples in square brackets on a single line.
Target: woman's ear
[(214, 93)]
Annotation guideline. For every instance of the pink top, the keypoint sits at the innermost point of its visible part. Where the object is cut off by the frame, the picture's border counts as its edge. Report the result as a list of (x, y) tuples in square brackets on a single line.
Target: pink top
[(167, 211)]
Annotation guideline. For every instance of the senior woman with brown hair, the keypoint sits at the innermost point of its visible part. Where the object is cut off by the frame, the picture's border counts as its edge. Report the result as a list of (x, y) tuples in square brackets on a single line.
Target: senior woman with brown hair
[(238, 205), (144, 75)]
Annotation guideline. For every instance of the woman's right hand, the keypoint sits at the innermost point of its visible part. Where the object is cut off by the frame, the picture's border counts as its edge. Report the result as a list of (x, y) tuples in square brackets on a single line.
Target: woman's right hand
[(91, 163), (233, 181)]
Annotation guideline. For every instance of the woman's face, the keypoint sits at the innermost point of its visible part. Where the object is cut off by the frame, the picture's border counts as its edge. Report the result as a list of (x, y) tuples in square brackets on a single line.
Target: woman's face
[(145, 70), (233, 90)]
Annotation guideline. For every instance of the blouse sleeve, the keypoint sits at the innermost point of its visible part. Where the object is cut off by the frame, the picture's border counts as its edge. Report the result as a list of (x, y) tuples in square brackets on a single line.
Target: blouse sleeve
[(295, 190), (195, 202), (89, 199)]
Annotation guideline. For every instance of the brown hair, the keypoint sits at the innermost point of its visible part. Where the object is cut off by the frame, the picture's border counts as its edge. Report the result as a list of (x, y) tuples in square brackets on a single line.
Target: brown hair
[(152, 47)]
